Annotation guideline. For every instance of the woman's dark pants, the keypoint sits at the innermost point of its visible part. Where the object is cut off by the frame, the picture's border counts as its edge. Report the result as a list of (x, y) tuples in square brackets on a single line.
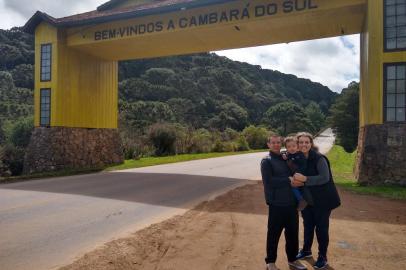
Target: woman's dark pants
[(279, 218), (316, 219)]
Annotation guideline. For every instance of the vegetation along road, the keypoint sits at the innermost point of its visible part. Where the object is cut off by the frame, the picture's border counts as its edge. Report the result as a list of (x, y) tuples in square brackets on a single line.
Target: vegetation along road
[(47, 223)]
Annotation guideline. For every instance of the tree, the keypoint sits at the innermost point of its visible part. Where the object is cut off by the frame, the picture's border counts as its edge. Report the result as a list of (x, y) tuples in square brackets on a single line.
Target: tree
[(142, 114), (287, 118), (344, 117), (10, 56), (231, 116), (316, 116), (158, 75), (23, 76)]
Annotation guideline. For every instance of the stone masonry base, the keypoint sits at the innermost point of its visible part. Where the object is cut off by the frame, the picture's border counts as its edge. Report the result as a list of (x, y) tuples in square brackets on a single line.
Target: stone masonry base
[(61, 148), (381, 155)]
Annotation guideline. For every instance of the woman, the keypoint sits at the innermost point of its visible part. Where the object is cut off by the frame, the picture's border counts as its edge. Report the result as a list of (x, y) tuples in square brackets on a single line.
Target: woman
[(319, 181)]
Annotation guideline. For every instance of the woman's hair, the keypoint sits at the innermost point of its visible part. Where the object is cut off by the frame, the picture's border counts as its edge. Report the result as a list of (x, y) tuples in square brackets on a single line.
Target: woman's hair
[(307, 135)]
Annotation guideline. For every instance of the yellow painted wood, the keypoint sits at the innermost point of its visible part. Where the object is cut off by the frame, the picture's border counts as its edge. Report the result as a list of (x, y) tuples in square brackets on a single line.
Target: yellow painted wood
[(373, 58), (84, 89), (88, 94), (45, 34), (330, 18)]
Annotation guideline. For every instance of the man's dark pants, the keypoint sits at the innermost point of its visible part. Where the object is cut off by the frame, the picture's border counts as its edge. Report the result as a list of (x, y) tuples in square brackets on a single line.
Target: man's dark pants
[(315, 218), (279, 218)]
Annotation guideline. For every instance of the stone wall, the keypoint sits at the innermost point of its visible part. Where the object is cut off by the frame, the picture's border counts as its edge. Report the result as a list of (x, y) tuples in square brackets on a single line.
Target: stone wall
[(382, 154), (61, 148)]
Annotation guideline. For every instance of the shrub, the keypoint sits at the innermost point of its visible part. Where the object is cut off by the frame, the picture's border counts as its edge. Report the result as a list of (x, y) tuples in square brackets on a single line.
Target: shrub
[(182, 139), (200, 142), (13, 159), (242, 144), (20, 133), (163, 137), (256, 137), (220, 146), (230, 134)]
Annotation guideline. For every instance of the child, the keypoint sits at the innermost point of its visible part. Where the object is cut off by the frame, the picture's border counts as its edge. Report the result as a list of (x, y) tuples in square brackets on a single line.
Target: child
[(297, 163)]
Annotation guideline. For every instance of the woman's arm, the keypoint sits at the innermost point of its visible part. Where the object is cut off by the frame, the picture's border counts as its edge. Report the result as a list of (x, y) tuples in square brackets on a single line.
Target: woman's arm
[(324, 174)]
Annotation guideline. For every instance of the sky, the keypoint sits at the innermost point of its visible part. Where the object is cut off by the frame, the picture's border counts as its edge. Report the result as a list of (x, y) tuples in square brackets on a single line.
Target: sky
[(333, 62)]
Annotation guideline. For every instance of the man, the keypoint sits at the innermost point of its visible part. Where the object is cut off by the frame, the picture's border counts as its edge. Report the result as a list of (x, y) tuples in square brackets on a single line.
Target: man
[(282, 206)]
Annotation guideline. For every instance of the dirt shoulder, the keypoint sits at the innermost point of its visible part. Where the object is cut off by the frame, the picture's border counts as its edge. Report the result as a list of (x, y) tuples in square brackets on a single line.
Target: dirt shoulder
[(229, 233)]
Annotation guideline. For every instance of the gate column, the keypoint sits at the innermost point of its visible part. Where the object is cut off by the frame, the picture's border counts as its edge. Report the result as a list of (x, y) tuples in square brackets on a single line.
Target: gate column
[(382, 136), (76, 107)]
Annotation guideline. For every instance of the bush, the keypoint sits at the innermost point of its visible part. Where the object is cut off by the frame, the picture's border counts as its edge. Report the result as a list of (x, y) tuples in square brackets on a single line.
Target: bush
[(220, 146), (4, 170), (256, 137), (230, 134), (20, 133), (242, 144), (182, 139), (163, 137), (200, 142), (13, 159)]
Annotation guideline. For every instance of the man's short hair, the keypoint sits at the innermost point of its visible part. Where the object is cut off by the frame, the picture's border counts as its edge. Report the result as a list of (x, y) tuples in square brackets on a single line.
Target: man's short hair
[(274, 135)]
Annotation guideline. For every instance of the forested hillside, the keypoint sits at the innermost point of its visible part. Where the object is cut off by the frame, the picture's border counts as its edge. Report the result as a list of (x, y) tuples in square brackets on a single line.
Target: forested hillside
[(202, 93)]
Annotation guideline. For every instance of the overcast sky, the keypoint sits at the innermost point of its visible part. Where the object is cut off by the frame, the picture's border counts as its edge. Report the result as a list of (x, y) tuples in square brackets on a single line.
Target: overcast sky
[(333, 62)]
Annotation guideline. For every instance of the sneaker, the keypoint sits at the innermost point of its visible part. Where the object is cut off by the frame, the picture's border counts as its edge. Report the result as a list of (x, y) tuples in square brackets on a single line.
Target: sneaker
[(297, 265), (321, 263), (303, 255), (301, 205), (271, 266)]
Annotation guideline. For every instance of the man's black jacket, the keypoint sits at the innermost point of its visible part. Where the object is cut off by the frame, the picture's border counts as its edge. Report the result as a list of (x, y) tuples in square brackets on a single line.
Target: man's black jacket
[(275, 176)]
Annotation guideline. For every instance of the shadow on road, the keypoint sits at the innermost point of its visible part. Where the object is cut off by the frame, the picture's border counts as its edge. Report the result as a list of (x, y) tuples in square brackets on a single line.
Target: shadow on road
[(170, 190)]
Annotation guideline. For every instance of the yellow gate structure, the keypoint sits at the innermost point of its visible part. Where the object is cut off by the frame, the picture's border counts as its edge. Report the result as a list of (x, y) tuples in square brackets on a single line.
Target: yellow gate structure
[(76, 68)]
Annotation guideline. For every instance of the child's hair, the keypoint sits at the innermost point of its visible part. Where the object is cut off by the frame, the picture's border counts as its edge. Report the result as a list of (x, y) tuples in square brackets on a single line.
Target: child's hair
[(290, 139)]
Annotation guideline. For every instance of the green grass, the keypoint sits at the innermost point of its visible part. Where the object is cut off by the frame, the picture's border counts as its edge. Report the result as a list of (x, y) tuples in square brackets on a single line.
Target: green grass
[(152, 161), (342, 164)]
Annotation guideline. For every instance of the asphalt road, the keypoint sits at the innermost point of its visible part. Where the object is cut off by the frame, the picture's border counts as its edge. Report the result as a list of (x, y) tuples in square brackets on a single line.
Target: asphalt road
[(45, 224)]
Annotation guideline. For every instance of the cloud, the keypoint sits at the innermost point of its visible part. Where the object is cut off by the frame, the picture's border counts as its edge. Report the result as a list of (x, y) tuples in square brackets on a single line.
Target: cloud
[(17, 12), (334, 62)]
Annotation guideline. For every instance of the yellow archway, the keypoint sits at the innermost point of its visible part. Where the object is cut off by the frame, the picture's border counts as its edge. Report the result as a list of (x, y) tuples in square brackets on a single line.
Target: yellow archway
[(78, 82)]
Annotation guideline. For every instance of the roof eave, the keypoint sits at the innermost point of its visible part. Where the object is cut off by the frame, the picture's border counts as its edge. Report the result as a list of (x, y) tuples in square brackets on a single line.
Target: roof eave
[(35, 20), (109, 5), (143, 13), (39, 16)]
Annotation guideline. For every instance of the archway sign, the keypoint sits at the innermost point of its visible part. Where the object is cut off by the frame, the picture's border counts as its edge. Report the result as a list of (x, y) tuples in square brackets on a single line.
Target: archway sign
[(76, 72)]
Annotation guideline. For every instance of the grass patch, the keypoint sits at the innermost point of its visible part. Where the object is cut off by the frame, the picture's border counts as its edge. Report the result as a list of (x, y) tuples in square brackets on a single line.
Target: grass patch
[(342, 164), (152, 161)]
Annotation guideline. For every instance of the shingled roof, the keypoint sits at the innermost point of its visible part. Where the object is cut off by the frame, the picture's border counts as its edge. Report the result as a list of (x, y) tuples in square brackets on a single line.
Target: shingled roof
[(105, 14), (110, 4)]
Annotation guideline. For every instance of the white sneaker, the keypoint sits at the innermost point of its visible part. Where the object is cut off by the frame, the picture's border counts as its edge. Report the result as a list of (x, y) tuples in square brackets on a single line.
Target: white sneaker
[(271, 266), (297, 265)]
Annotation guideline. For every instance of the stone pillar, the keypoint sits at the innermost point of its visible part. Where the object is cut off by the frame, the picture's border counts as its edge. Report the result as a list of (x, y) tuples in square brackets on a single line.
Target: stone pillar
[(381, 155), (61, 148)]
